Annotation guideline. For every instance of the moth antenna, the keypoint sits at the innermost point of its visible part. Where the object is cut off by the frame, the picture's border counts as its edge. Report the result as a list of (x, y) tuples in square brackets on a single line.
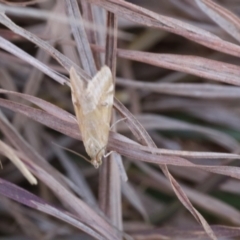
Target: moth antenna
[(106, 155), (69, 150), (118, 121)]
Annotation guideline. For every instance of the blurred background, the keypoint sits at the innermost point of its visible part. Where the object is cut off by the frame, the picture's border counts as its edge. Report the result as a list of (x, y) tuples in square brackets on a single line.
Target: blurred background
[(184, 92)]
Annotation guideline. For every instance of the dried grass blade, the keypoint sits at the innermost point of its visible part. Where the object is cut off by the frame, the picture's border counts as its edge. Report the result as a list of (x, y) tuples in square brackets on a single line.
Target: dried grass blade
[(152, 121), (77, 177), (22, 3), (126, 149), (47, 106), (22, 196), (194, 90), (148, 18), (99, 17), (80, 36), (6, 81), (221, 113), (202, 67), (111, 43), (129, 149), (143, 136), (225, 116), (222, 232), (9, 47), (221, 16), (110, 182), (44, 118), (77, 206), (188, 205), (125, 143), (10, 154), (64, 61), (123, 174), (25, 222), (202, 200), (51, 178), (35, 76), (63, 115), (19, 143), (132, 196)]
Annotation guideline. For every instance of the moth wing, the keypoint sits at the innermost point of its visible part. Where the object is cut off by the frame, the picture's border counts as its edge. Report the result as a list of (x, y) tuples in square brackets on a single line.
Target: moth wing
[(97, 95), (103, 89), (77, 90)]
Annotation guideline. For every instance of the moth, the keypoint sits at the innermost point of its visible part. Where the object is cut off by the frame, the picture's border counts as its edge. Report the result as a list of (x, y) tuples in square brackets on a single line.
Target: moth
[(93, 103)]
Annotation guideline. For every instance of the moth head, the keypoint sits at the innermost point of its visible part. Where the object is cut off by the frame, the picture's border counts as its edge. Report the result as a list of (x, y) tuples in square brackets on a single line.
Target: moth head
[(97, 160), (95, 152)]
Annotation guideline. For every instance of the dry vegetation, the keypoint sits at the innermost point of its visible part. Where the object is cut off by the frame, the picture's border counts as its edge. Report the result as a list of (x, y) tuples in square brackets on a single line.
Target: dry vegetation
[(174, 172)]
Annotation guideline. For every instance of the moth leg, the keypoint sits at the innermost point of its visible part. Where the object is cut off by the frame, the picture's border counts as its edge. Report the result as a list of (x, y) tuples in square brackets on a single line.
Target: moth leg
[(118, 121), (108, 154)]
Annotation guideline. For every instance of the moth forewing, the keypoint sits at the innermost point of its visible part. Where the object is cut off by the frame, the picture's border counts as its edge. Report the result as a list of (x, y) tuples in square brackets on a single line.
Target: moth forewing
[(93, 106)]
